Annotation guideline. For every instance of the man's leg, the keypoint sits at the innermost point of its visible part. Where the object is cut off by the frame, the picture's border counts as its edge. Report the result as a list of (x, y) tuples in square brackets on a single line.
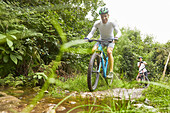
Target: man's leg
[(94, 48), (111, 60)]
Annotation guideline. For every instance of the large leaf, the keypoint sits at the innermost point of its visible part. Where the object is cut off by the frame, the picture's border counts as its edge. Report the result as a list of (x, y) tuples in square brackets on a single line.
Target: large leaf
[(13, 58), (9, 42)]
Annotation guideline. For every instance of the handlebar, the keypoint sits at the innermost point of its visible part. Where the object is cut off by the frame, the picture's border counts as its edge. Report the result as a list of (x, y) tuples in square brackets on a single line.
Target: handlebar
[(110, 41)]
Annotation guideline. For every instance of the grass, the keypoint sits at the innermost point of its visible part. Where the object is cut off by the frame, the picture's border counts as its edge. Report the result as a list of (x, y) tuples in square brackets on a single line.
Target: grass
[(79, 84), (159, 95)]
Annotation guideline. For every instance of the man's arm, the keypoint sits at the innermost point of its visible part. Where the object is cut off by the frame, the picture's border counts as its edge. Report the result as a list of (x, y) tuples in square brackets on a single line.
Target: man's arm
[(145, 63), (118, 32), (90, 35), (116, 28), (138, 64)]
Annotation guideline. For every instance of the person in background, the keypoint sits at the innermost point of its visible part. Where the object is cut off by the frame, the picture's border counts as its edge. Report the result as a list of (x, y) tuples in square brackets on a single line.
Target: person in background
[(141, 64)]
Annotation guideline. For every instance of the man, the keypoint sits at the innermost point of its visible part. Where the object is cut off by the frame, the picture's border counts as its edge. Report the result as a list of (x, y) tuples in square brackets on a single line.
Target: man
[(141, 64), (106, 28)]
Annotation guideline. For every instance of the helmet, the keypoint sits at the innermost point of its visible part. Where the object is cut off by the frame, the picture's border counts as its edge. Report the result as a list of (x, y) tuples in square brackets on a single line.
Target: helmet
[(140, 57), (103, 10)]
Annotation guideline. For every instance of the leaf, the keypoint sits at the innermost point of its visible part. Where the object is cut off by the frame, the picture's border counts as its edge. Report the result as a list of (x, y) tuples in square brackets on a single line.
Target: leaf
[(13, 58), (14, 37), (14, 32), (19, 57), (6, 58), (2, 36), (9, 42), (42, 74), (1, 66), (2, 48), (39, 77), (12, 48)]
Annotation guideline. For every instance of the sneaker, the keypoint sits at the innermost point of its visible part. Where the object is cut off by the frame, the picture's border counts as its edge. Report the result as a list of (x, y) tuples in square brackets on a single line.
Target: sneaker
[(110, 75)]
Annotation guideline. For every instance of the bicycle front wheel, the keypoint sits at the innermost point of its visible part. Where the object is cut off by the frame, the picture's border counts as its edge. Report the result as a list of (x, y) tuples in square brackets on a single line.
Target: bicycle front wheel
[(93, 74)]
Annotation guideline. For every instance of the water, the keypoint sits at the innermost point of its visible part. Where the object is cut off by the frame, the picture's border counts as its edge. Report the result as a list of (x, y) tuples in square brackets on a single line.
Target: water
[(26, 95)]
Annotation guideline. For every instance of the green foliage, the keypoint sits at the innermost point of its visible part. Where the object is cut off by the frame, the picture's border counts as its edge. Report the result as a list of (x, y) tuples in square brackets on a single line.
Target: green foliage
[(24, 23), (130, 46), (12, 81)]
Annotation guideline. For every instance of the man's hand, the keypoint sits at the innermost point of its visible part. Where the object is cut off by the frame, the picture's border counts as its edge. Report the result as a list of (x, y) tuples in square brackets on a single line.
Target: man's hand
[(86, 39), (116, 38)]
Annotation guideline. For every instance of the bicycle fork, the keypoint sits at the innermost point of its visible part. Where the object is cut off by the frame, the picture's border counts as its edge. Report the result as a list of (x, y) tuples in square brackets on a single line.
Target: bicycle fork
[(104, 65)]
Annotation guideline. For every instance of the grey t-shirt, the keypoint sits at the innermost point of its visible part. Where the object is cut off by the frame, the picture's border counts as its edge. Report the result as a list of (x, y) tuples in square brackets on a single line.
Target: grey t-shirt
[(106, 30)]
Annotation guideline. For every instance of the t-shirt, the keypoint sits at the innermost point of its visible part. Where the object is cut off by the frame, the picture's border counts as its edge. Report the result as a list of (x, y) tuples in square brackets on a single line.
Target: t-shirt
[(142, 66), (106, 30)]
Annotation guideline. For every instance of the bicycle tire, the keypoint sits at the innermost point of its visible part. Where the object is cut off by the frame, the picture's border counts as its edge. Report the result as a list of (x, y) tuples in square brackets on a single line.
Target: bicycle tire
[(93, 75)]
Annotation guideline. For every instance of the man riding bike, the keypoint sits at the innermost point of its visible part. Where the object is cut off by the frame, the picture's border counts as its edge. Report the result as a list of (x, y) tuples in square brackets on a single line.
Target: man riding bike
[(106, 28), (141, 64)]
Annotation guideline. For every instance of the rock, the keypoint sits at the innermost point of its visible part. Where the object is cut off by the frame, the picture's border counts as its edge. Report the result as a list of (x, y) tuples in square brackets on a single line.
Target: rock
[(60, 108), (8, 102), (117, 93), (2, 94), (147, 101), (18, 91), (3, 112), (86, 94), (36, 89), (150, 108), (72, 102), (67, 91), (46, 92), (50, 110)]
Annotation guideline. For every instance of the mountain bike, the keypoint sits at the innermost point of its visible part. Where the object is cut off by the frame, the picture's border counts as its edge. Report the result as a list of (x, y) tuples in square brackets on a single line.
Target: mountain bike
[(98, 64), (144, 79)]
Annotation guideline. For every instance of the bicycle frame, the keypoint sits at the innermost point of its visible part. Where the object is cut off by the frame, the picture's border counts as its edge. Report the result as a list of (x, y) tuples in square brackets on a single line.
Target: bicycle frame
[(104, 61)]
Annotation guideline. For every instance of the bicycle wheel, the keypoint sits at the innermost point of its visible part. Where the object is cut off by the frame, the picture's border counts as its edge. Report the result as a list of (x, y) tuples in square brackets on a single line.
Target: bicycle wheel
[(146, 82), (93, 74)]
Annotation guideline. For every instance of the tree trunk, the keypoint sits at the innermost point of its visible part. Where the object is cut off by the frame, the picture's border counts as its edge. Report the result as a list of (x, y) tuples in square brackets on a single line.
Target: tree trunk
[(163, 75)]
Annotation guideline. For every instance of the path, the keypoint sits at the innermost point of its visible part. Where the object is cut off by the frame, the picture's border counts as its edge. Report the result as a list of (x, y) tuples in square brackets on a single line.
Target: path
[(119, 93)]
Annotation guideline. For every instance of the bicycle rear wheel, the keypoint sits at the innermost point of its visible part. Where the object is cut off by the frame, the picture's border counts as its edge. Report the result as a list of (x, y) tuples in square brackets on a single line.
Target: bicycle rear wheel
[(93, 74)]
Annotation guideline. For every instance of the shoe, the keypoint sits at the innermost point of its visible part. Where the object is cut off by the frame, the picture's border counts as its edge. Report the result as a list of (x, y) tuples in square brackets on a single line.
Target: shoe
[(110, 75)]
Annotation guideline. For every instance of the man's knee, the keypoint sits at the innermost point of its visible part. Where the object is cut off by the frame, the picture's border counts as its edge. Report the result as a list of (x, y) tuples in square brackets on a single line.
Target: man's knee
[(109, 50), (94, 48)]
